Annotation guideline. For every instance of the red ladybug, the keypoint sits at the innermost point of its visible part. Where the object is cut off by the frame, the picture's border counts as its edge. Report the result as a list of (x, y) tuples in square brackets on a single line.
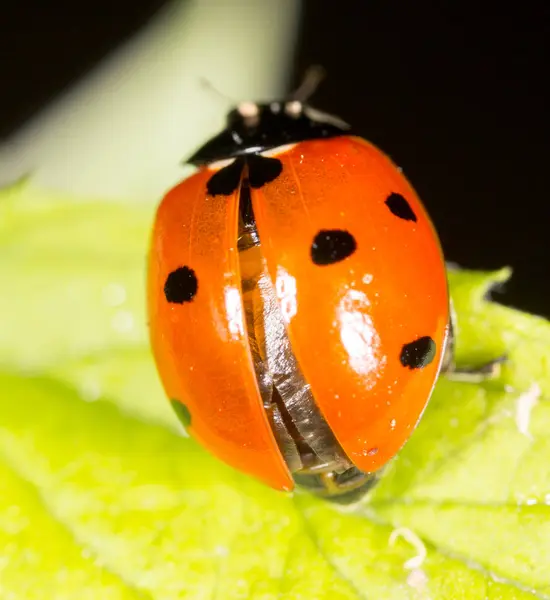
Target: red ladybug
[(298, 301)]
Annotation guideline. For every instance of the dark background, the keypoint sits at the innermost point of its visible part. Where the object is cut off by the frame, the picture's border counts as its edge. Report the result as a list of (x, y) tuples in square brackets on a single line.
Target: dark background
[(454, 92)]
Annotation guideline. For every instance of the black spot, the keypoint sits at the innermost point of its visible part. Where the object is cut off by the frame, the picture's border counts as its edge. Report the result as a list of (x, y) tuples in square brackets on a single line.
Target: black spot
[(331, 246), (262, 170), (225, 181), (418, 354), (182, 411), (400, 207), (181, 285)]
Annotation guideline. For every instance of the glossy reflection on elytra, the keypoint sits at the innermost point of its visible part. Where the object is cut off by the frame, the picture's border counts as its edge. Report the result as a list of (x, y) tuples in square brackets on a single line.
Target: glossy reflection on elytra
[(358, 334), (285, 286), (234, 311)]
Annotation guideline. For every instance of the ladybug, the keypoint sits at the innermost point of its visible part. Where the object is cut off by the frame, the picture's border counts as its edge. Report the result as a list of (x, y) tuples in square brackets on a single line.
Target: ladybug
[(298, 302)]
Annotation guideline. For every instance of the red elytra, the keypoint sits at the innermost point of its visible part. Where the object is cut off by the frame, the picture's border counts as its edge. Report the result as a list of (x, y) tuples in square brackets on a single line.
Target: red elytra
[(347, 252)]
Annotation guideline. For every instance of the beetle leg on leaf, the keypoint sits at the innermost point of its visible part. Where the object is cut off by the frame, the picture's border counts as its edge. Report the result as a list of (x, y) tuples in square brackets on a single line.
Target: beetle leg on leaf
[(468, 374)]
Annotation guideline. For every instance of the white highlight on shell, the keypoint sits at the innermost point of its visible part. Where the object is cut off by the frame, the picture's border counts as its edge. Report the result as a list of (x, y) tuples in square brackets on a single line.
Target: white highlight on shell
[(410, 536), (234, 311), (524, 405), (285, 288), (220, 164), (278, 150), (357, 332), (367, 278)]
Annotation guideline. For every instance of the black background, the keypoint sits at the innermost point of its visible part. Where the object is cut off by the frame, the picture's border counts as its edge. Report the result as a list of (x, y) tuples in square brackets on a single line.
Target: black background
[(454, 92)]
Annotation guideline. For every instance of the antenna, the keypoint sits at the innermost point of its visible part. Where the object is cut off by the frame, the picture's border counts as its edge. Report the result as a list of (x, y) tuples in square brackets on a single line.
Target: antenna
[(208, 85), (311, 81)]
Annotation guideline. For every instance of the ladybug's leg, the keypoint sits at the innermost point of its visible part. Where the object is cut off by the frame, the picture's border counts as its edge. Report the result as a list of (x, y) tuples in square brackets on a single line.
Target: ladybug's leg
[(344, 487), (474, 374)]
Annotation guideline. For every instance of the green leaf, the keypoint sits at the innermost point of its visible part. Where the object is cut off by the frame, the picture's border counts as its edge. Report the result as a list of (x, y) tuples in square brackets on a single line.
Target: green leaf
[(103, 495)]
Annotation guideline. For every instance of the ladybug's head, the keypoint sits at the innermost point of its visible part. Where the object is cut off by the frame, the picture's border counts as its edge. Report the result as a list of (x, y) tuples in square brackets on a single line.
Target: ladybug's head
[(254, 127)]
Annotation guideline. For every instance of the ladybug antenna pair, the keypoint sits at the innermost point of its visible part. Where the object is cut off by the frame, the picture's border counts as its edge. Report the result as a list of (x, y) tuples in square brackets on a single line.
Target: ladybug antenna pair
[(313, 77)]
